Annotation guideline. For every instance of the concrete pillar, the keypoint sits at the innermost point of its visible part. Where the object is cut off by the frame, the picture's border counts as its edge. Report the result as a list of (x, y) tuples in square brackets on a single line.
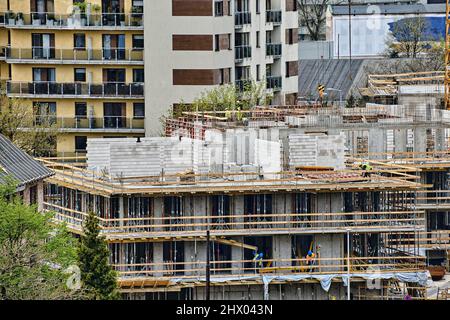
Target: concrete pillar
[(158, 213), (440, 143), (330, 246), (420, 140), (400, 140), (281, 249), (158, 257), (377, 142), (237, 208), (237, 254)]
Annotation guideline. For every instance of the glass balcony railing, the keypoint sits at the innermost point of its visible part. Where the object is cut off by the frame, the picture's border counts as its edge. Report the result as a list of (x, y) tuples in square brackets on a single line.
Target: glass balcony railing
[(103, 55), (273, 49), (111, 89), (274, 83), (273, 16), (103, 123), (243, 52), (76, 20), (242, 18)]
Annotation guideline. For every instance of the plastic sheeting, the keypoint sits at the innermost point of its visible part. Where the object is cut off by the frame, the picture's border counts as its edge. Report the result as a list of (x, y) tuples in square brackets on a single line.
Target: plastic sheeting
[(325, 280)]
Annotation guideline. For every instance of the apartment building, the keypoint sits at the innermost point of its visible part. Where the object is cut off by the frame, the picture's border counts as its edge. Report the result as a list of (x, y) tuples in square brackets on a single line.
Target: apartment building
[(78, 64), (207, 43)]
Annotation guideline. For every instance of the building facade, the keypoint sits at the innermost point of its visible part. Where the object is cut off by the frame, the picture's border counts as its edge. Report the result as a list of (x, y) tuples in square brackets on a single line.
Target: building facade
[(82, 63), (208, 43), (78, 64)]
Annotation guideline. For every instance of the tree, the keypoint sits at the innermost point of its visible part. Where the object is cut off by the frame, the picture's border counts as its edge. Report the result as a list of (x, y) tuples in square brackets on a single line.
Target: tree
[(312, 16), (97, 275), (407, 37), (33, 253), (35, 135)]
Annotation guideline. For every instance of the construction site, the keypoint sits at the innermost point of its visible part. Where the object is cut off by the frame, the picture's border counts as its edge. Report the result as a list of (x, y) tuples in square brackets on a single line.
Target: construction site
[(286, 202)]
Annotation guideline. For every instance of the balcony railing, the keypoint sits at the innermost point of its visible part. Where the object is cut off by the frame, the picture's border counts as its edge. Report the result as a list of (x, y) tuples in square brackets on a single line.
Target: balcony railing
[(106, 122), (112, 89), (77, 20), (273, 49), (273, 16), (242, 18), (274, 83), (103, 55), (243, 52)]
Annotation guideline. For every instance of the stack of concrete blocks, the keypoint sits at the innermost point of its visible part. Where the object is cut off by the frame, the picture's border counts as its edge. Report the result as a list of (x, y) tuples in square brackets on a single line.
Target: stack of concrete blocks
[(317, 150), (98, 153)]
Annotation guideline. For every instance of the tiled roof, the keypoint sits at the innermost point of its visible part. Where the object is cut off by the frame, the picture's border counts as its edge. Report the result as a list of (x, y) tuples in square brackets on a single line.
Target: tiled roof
[(16, 163)]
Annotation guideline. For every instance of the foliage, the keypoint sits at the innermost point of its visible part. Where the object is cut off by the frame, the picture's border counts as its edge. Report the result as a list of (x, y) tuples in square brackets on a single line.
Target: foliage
[(35, 135), (407, 38), (33, 254), (228, 97), (97, 275)]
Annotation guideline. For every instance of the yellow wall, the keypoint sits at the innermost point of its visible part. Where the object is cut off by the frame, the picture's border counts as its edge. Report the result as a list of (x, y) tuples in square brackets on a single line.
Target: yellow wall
[(66, 142), (64, 38)]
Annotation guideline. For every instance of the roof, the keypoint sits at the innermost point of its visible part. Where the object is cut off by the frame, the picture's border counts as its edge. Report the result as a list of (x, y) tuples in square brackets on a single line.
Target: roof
[(332, 73), (16, 163), (367, 9)]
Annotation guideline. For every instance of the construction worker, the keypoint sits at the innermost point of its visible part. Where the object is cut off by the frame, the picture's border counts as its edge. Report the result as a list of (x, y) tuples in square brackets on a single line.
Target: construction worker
[(367, 168), (310, 257), (258, 259)]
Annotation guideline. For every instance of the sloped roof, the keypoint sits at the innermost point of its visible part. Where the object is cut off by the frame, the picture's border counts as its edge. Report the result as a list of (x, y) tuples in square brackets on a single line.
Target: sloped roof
[(16, 163), (332, 73)]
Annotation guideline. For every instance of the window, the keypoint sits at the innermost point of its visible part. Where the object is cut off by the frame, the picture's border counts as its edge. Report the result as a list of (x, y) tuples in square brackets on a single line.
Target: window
[(79, 41), (257, 39), (218, 8), (44, 74), (258, 10), (138, 42), (138, 75), (80, 143), (80, 74), (138, 110), (258, 77), (80, 110), (217, 42)]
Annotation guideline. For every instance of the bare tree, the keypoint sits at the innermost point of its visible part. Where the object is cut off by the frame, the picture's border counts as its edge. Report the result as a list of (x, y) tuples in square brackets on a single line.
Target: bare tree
[(34, 134), (312, 16)]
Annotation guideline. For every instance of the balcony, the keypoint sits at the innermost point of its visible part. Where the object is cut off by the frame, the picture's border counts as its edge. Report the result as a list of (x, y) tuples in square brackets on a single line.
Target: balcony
[(70, 56), (273, 16), (274, 83), (273, 50), (117, 90), (74, 21), (243, 52), (107, 123), (242, 18)]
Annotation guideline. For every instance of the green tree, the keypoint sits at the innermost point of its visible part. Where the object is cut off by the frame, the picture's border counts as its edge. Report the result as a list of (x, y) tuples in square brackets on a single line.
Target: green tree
[(97, 275), (33, 253)]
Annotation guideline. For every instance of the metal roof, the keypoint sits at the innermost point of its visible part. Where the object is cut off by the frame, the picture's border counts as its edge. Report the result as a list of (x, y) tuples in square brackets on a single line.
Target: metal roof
[(16, 163), (332, 73), (368, 9)]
